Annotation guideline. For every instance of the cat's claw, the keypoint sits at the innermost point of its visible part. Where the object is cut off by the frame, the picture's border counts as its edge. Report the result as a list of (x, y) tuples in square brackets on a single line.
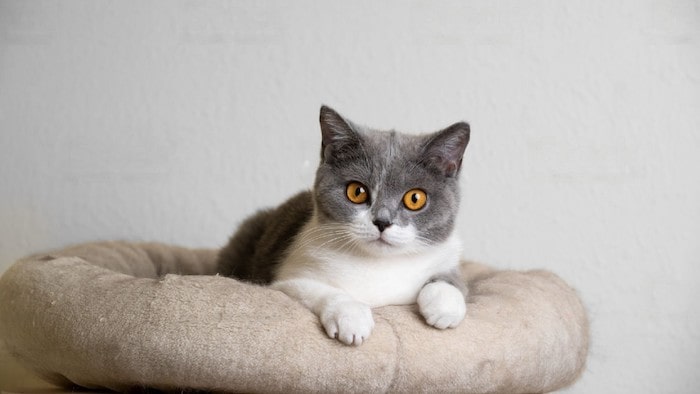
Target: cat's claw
[(347, 320), (442, 305)]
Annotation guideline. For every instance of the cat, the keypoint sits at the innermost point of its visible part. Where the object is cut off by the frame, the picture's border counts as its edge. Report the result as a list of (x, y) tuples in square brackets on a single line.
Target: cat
[(376, 229)]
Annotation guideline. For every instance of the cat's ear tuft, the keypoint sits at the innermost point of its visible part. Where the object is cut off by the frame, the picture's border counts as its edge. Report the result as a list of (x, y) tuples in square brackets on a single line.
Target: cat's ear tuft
[(444, 150), (337, 134)]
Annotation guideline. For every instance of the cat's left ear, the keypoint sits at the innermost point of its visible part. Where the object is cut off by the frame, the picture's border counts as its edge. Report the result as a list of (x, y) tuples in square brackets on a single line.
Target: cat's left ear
[(339, 140), (444, 150)]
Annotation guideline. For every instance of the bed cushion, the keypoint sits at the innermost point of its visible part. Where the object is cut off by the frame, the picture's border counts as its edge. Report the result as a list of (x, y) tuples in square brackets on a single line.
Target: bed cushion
[(121, 315)]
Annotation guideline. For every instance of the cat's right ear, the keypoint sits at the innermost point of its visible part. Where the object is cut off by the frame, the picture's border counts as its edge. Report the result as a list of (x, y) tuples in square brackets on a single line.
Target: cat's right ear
[(337, 135), (444, 149)]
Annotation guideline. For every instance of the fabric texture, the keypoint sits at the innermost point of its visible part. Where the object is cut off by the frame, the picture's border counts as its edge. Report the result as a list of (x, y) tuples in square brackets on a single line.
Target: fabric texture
[(121, 315)]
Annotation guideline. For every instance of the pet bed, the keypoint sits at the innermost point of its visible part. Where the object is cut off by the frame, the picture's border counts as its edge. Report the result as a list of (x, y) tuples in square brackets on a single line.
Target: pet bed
[(118, 315)]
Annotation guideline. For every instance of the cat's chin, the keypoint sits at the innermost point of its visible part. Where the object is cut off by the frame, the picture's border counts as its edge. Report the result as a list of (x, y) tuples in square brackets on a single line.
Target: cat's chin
[(382, 247)]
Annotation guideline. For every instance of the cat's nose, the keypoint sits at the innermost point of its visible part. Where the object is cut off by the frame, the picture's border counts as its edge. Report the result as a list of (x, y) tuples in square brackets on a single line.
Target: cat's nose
[(381, 224)]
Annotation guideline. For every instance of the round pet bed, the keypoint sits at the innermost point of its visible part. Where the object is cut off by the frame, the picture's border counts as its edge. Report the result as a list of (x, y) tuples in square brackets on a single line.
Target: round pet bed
[(120, 316)]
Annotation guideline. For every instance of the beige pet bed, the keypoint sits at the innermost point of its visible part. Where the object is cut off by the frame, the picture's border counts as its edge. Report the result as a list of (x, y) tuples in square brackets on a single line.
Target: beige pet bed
[(124, 315)]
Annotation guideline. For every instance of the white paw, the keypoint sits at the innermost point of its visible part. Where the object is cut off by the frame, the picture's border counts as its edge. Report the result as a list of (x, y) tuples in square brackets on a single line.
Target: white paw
[(347, 320), (442, 305)]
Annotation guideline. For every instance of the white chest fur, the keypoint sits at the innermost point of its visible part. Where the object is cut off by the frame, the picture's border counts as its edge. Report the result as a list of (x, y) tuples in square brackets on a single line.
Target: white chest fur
[(373, 280)]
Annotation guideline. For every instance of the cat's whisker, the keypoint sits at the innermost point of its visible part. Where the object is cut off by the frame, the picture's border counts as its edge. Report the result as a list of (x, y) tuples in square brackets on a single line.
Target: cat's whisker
[(324, 238), (350, 245), (340, 238), (322, 233), (319, 233)]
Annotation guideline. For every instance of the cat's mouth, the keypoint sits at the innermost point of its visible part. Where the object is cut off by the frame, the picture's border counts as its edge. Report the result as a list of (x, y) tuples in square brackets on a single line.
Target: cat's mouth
[(386, 245), (394, 240), (383, 242)]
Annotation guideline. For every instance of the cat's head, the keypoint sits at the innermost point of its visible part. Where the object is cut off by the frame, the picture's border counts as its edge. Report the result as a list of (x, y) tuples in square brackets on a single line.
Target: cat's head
[(383, 192)]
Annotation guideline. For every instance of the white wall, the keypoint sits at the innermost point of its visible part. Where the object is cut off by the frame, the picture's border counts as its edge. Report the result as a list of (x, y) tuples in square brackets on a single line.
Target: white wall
[(172, 121)]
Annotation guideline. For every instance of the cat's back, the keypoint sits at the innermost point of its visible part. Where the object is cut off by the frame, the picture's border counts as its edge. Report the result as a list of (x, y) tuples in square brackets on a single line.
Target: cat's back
[(261, 241)]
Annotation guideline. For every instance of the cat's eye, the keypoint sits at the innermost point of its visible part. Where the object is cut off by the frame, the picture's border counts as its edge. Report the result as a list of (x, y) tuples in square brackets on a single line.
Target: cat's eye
[(415, 199), (357, 193)]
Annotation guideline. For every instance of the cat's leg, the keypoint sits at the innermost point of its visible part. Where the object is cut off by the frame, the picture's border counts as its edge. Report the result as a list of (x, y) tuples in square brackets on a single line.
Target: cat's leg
[(343, 317), (442, 300)]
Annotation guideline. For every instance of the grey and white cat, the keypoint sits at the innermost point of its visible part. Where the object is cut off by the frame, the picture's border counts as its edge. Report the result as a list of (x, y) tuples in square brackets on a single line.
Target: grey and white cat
[(377, 229)]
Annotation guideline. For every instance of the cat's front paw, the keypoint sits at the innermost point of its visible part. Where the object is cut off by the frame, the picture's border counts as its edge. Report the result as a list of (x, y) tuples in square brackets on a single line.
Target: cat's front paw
[(347, 320), (442, 305)]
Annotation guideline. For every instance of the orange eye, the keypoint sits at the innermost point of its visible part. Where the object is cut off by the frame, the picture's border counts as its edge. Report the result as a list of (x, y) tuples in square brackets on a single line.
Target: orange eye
[(357, 192), (415, 199)]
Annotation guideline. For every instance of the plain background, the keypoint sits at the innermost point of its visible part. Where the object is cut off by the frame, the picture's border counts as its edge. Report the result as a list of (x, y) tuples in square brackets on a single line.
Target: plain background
[(173, 120)]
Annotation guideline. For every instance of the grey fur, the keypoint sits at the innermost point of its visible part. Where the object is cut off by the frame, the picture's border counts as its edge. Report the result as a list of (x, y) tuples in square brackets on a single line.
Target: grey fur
[(390, 164), (387, 162), (260, 242), (452, 277)]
